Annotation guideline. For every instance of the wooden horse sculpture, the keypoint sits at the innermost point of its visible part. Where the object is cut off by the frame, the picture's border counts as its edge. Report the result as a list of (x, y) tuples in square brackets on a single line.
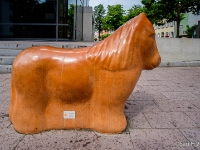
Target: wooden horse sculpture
[(92, 83)]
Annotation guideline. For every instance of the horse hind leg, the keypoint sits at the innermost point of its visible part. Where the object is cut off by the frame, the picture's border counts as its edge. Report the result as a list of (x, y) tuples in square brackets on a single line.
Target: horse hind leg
[(27, 105)]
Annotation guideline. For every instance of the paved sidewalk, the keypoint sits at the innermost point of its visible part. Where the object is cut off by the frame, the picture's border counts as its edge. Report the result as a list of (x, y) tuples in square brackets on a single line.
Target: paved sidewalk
[(163, 113)]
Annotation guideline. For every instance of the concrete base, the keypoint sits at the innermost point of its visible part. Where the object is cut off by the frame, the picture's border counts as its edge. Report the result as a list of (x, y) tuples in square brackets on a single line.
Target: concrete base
[(180, 64)]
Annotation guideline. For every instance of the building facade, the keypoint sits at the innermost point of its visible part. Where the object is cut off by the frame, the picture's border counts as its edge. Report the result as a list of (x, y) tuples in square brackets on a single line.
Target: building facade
[(168, 30), (43, 19)]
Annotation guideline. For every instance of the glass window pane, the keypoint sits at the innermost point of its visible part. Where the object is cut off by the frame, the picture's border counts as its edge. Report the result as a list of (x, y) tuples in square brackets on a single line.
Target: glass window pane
[(65, 32), (27, 31), (29, 11)]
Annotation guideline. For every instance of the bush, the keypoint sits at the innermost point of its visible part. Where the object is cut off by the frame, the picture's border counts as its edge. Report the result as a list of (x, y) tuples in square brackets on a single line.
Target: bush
[(190, 30), (104, 36)]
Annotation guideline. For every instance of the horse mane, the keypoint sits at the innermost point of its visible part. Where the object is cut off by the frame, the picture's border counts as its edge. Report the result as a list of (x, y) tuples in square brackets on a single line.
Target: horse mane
[(114, 53)]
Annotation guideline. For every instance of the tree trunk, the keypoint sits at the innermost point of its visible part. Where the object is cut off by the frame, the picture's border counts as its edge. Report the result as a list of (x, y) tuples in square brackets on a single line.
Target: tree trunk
[(178, 20), (177, 28), (99, 31), (99, 34)]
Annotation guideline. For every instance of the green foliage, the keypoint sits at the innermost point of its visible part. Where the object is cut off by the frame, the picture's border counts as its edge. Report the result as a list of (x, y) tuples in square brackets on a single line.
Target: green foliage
[(104, 36), (71, 15), (134, 11), (190, 30), (99, 13), (170, 10), (114, 17)]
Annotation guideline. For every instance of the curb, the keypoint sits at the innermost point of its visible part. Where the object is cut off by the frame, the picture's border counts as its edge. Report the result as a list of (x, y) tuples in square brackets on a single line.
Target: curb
[(195, 63)]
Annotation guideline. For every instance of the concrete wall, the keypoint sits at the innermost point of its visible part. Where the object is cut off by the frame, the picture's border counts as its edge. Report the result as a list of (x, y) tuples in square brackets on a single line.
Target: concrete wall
[(78, 24), (88, 24), (175, 49), (84, 27)]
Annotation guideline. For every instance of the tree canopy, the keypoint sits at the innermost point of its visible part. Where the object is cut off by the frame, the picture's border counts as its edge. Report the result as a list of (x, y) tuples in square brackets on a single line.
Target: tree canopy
[(134, 11), (114, 17), (170, 10), (99, 13), (157, 11)]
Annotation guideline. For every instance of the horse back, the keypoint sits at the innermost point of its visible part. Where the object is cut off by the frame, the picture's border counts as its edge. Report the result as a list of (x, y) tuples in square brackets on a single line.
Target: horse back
[(60, 74)]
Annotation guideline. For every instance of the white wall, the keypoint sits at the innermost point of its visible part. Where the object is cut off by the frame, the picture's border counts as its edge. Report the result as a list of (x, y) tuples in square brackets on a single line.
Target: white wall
[(178, 49), (193, 19)]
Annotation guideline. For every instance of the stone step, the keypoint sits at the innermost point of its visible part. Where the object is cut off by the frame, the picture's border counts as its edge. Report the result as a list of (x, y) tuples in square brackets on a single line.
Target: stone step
[(15, 46), (6, 60), (9, 52), (5, 68)]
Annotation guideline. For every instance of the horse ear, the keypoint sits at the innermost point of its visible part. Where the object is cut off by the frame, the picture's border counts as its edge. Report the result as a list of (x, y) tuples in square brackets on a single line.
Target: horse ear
[(142, 19), (142, 15)]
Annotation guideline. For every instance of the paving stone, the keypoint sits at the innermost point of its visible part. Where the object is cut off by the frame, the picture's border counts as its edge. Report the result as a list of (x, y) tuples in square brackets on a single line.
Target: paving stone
[(138, 88), (196, 92), (163, 78), (193, 135), (180, 88), (4, 88), (4, 123), (180, 96), (160, 82), (158, 139), (163, 112), (148, 78), (170, 120), (143, 82), (158, 96), (87, 140), (4, 107), (195, 116), (130, 97), (10, 138), (140, 106), (142, 96), (176, 105), (137, 120), (157, 89), (116, 142), (195, 102), (51, 140)]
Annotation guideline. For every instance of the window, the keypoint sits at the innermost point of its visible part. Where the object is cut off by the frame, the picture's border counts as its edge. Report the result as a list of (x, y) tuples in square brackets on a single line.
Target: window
[(50, 19), (181, 27), (172, 34), (166, 35), (162, 34), (171, 24), (198, 9)]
